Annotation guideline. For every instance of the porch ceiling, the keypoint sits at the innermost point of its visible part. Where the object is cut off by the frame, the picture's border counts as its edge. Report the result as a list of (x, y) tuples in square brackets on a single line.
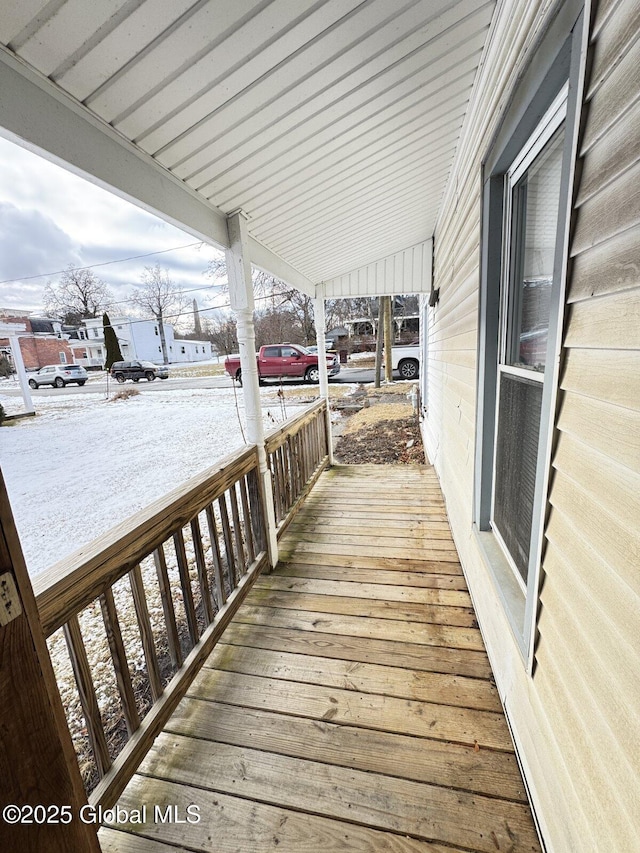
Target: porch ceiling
[(332, 124)]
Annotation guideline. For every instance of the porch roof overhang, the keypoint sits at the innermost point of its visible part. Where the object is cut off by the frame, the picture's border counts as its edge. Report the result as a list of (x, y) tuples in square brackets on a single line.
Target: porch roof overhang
[(332, 125)]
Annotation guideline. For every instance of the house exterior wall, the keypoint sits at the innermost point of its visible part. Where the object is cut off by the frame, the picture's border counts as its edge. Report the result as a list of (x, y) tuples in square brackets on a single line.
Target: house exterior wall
[(40, 351), (576, 719), (188, 351), (140, 339)]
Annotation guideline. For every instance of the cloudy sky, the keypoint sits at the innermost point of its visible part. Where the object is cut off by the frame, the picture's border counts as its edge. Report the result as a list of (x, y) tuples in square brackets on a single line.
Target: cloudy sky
[(50, 218)]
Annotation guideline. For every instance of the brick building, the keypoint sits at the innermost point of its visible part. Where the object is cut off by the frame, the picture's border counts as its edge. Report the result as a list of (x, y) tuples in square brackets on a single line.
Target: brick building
[(41, 343)]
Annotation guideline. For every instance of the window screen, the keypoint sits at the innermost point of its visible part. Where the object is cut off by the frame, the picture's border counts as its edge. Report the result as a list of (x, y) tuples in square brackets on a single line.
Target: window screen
[(516, 460)]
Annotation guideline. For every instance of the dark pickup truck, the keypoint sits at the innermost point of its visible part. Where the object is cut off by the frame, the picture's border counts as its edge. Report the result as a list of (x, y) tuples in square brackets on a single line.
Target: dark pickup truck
[(284, 361)]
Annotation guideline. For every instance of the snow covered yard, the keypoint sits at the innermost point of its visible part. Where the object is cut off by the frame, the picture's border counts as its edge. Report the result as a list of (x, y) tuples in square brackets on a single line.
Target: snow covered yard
[(86, 463)]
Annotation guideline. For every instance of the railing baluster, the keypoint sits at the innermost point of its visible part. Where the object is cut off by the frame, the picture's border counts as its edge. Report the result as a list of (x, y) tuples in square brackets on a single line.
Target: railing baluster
[(290, 472), (221, 593), (272, 461), (293, 468), (316, 443), (202, 570), (323, 443), (119, 657), (146, 634), (257, 510), (185, 583), (281, 480), (237, 531), (306, 454), (298, 464), (248, 533), (228, 545), (173, 640), (285, 485), (87, 693)]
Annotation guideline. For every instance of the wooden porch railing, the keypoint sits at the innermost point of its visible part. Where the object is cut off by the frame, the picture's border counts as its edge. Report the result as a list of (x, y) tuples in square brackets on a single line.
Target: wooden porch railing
[(194, 554), (297, 453)]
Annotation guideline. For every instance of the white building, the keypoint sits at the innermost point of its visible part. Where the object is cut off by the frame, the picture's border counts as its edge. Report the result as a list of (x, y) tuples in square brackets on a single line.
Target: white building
[(140, 339)]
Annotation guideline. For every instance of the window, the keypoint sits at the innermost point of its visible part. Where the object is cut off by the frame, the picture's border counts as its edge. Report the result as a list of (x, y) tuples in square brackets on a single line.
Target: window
[(183, 350), (526, 196), (63, 357), (531, 204), (271, 352), (95, 333)]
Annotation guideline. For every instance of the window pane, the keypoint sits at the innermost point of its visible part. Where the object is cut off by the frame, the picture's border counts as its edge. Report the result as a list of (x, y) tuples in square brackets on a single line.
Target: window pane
[(536, 197), (516, 460)]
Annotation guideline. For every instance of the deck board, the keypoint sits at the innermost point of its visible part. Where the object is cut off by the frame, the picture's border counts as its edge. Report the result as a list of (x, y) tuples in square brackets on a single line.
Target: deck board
[(349, 706)]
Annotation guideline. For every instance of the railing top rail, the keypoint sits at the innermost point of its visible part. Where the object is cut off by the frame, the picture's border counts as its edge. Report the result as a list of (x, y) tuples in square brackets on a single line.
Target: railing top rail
[(71, 584), (277, 437)]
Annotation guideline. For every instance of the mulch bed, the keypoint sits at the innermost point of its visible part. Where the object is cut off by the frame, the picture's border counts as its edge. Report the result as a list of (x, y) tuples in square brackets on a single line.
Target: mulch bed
[(388, 442)]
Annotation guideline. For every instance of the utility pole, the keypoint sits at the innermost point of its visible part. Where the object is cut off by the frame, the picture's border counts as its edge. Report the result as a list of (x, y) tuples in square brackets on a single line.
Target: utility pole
[(379, 340), (388, 340)]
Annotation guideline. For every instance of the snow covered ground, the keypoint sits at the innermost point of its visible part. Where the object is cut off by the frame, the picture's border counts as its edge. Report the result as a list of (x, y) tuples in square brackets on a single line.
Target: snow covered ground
[(86, 463)]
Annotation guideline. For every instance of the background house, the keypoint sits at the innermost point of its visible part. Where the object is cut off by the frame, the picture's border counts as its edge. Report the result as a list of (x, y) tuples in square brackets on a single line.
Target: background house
[(42, 342), (140, 339)]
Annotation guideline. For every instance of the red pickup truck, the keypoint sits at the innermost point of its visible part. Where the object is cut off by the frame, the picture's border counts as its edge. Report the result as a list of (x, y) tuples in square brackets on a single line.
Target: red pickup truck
[(284, 361)]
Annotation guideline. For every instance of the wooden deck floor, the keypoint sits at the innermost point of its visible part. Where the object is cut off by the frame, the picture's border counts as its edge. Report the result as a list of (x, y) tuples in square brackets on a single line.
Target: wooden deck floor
[(350, 706)]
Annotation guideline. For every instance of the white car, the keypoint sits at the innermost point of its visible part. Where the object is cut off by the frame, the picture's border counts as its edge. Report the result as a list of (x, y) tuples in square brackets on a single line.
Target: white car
[(59, 375)]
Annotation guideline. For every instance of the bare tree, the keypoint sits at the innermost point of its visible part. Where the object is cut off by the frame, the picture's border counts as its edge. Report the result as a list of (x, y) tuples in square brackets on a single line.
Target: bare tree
[(275, 297), (222, 334), (79, 295), (161, 298)]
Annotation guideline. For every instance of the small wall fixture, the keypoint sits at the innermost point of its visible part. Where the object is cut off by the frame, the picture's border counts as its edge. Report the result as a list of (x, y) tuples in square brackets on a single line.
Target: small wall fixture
[(434, 297)]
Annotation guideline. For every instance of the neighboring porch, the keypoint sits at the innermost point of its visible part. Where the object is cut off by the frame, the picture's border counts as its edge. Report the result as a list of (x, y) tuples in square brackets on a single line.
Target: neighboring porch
[(349, 705)]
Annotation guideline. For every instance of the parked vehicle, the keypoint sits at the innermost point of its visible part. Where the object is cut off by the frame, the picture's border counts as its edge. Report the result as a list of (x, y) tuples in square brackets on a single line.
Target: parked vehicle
[(59, 375), (137, 370), (406, 360), (328, 346), (284, 361)]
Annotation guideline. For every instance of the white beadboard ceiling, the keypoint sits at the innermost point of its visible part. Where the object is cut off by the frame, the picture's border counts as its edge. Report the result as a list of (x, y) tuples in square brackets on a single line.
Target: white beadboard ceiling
[(332, 124)]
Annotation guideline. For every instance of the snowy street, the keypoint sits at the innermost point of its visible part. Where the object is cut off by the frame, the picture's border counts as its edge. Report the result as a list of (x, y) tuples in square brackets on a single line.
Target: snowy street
[(86, 463)]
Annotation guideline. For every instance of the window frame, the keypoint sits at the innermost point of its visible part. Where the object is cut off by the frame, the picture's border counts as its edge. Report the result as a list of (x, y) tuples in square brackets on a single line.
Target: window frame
[(557, 64), (553, 119)]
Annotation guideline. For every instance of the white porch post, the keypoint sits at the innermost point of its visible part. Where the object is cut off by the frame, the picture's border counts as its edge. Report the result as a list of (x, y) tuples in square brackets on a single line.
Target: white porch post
[(242, 303), (320, 324), (16, 352)]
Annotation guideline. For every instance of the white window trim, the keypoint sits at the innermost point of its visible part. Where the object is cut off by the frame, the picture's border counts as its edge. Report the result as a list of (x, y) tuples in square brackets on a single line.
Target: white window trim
[(549, 124)]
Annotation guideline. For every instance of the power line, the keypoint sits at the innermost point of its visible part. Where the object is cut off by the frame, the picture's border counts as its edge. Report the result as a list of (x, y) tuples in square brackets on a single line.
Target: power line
[(131, 321), (103, 263)]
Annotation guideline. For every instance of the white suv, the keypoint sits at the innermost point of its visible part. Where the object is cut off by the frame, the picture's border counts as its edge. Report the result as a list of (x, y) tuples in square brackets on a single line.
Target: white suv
[(59, 375)]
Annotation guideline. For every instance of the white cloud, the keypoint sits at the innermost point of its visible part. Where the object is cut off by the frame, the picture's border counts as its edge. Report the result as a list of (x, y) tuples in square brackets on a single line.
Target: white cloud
[(50, 218)]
